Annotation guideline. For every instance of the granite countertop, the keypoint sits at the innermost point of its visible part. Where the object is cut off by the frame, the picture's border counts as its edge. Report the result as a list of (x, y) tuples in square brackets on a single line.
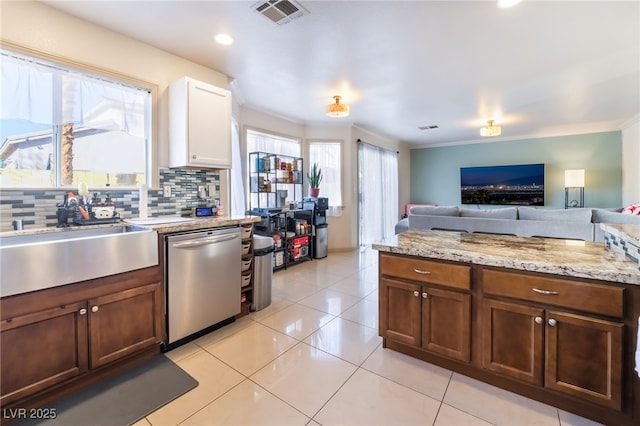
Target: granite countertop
[(195, 223), (185, 224), (561, 257)]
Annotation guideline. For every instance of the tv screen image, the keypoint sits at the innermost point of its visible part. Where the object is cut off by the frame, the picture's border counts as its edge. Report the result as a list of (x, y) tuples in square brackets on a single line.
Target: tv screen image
[(521, 184)]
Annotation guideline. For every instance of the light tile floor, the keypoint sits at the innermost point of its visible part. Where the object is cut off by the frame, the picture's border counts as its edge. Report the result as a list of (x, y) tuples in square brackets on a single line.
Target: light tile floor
[(314, 357)]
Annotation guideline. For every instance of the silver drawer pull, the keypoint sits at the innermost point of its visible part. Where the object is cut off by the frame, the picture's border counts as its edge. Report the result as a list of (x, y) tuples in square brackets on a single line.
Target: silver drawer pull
[(547, 292), (420, 271)]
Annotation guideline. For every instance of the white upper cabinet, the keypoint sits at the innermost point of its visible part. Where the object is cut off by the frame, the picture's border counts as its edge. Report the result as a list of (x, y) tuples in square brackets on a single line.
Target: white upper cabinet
[(200, 125)]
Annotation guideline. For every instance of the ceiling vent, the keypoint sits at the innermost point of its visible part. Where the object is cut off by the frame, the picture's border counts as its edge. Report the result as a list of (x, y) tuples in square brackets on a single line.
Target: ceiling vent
[(280, 11)]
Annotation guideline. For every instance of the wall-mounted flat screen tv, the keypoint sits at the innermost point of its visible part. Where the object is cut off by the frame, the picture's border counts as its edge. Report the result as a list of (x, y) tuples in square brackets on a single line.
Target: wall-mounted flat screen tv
[(521, 184)]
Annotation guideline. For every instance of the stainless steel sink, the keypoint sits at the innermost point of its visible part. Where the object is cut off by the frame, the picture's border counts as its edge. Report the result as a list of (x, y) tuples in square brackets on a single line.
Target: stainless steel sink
[(43, 260)]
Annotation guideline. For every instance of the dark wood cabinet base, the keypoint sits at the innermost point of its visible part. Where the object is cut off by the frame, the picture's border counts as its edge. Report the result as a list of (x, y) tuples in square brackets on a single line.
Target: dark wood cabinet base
[(601, 415), (564, 341)]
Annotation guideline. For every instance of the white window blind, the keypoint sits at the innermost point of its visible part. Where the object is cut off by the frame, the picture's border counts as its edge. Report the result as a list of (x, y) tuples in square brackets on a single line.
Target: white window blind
[(328, 155)]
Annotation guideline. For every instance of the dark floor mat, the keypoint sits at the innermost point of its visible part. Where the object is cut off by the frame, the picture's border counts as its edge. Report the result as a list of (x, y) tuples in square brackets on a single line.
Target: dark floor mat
[(122, 399)]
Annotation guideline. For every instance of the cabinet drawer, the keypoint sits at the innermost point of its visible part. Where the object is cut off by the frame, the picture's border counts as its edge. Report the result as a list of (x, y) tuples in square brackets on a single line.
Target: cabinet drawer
[(583, 296), (457, 276)]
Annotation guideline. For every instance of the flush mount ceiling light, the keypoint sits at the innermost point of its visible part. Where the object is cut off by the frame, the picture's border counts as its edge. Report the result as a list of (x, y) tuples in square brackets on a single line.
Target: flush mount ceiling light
[(503, 4), (337, 110), (490, 130)]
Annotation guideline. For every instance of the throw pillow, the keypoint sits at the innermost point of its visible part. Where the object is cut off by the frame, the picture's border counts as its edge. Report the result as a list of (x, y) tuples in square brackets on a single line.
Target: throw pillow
[(505, 213), (435, 211), (633, 209), (560, 215)]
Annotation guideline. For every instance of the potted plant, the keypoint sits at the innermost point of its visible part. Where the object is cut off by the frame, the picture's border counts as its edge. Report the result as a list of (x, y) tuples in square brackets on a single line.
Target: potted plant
[(315, 177)]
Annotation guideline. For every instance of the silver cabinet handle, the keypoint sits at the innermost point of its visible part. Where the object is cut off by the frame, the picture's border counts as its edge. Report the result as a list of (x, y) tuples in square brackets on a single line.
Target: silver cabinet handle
[(420, 271), (538, 320), (547, 292), (83, 311), (194, 156), (94, 309), (416, 293), (552, 322), (425, 295)]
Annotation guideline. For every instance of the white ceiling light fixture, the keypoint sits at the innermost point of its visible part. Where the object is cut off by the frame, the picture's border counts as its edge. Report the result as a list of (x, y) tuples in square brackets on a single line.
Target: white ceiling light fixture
[(503, 4), (337, 110), (223, 39), (490, 130)]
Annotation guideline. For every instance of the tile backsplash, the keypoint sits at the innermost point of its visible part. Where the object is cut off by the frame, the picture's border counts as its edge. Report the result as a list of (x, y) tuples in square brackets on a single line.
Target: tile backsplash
[(37, 207)]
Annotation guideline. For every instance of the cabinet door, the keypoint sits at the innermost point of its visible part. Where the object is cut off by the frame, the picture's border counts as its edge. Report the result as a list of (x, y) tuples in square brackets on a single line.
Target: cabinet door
[(446, 323), (125, 322), (42, 349), (400, 311), (209, 125), (584, 358), (512, 340)]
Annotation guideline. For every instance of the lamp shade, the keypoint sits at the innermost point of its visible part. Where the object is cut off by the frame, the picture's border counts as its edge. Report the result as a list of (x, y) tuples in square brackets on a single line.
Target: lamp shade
[(574, 178)]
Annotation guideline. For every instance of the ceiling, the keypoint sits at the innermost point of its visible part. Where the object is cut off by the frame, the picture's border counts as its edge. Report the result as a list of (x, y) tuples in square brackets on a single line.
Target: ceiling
[(538, 69)]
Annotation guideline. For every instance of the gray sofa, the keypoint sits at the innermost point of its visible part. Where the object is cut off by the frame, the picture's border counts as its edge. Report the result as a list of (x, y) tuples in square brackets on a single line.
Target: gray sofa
[(574, 224)]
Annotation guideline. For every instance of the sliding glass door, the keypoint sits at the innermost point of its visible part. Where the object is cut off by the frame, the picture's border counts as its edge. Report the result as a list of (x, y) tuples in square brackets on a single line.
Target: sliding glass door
[(378, 192)]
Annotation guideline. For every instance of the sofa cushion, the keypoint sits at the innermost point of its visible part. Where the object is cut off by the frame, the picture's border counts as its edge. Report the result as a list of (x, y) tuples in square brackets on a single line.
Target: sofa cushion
[(436, 211), (564, 215), (506, 213), (607, 216)]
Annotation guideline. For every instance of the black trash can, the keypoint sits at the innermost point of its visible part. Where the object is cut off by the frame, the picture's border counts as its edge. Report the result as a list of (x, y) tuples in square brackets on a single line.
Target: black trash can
[(262, 271)]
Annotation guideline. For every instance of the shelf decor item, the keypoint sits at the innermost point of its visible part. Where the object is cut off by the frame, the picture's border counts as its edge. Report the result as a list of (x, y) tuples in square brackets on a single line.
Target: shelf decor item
[(315, 177)]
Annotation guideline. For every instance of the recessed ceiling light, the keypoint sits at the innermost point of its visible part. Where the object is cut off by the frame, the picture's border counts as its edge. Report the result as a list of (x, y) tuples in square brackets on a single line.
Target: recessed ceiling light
[(224, 39), (507, 3)]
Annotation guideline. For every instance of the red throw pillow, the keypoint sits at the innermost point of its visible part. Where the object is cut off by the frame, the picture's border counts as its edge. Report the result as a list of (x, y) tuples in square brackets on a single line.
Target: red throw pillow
[(632, 209)]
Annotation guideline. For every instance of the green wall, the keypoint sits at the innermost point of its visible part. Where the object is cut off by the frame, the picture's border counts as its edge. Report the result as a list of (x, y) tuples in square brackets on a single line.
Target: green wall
[(435, 172)]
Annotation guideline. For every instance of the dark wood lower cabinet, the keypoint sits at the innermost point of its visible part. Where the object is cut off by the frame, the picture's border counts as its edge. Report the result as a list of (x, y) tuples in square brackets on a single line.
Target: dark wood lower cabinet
[(124, 323), (434, 319), (42, 349), (584, 357), (60, 336), (574, 354), (512, 342), (567, 342)]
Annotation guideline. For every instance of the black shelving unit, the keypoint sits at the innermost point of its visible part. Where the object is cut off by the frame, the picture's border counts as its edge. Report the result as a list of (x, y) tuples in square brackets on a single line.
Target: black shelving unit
[(270, 177), (294, 246)]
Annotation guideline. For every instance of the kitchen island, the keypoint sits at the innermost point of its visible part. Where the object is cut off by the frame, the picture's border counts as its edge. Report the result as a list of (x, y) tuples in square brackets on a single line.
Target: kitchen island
[(553, 320)]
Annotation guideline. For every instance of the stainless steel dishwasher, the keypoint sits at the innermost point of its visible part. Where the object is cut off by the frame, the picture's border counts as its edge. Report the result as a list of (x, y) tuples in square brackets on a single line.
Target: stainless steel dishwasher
[(203, 280)]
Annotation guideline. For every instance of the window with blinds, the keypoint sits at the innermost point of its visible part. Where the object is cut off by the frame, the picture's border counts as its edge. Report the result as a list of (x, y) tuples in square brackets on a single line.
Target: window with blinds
[(62, 126)]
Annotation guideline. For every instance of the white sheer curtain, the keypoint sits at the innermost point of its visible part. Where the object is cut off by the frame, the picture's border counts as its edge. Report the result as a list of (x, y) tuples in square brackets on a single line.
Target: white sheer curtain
[(238, 206), (264, 142), (44, 93), (378, 192)]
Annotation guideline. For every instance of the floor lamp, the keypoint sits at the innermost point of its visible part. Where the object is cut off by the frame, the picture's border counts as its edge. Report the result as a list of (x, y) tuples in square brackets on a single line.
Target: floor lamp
[(574, 179)]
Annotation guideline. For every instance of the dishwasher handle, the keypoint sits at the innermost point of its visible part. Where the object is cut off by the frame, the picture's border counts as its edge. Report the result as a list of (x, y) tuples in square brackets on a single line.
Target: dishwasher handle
[(205, 241)]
